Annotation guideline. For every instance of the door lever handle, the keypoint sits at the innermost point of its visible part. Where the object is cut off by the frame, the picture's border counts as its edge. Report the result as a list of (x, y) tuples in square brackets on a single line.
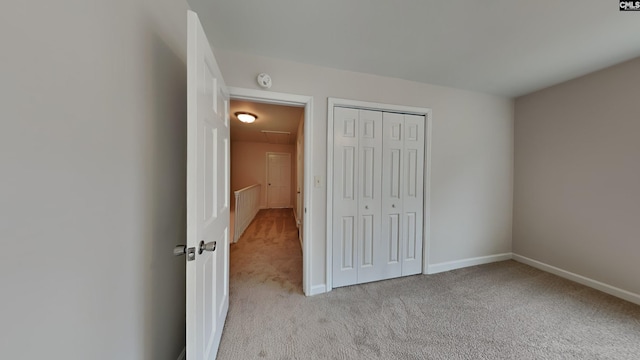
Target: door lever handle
[(210, 246)]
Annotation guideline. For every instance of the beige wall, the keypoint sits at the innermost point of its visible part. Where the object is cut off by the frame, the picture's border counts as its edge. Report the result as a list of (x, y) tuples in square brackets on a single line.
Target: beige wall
[(577, 176), (92, 184), (472, 152), (249, 166)]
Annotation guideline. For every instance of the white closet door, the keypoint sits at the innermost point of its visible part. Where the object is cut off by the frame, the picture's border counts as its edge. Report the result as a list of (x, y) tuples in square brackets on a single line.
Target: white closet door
[(392, 163), (370, 257), (412, 194), (378, 163), (345, 197)]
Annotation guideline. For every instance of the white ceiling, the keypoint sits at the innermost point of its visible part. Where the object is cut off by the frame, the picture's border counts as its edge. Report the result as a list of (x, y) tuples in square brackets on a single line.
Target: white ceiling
[(271, 126), (503, 47)]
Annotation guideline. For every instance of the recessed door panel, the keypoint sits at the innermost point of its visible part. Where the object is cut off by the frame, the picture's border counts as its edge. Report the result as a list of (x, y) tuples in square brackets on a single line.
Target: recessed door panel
[(412, 132), (348, 170), (410, 221), (367, 241), (395, 128), (412, 173), (368, 172), (348, 235), (394, 172), (368, 128), (349, 127), (394, 238), (210, 201)]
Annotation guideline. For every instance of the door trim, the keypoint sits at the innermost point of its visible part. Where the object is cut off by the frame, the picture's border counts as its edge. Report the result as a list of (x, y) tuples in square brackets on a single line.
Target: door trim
[(270, 97), (364, 105)]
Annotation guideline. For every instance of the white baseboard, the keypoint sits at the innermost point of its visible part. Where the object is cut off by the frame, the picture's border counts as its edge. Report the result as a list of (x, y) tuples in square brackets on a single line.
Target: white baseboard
[(459, 264), (318, 289), (295, 215), (182, 354), (611, 290)]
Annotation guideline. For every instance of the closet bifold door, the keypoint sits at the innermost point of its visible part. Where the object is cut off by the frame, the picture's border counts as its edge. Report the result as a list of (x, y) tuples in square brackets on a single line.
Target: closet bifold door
[(345, 196), (357, 177), (402, 193), (378, 192), (413, 194), (370, 253), (392, 229)]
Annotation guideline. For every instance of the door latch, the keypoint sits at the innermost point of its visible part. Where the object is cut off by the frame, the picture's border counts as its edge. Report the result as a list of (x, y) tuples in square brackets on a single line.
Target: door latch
[(180, 250)]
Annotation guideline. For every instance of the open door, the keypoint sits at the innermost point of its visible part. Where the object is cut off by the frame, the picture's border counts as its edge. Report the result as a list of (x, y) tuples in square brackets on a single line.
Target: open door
[(207, 197)]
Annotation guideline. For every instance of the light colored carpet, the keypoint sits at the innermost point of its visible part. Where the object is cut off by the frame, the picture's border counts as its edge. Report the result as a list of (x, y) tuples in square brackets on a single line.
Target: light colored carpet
[(504, 310)]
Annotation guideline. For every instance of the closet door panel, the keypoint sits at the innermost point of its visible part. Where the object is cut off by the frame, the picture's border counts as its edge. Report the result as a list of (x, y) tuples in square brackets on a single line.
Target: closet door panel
[(369, 190), (378, 195), (392, 165), (345, 197), (413, 194)]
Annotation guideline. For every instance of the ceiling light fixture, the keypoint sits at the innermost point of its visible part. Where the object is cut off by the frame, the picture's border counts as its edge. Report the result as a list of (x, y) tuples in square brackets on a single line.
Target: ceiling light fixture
[(246, 117)]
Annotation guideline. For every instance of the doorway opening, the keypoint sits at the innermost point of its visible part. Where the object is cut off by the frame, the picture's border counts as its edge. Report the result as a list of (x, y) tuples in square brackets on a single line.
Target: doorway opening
[(269, 170)]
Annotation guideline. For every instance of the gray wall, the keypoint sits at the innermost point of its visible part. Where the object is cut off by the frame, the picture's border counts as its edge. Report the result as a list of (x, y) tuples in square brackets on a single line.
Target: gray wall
[(92, 185), (577, 176), (472, 151)]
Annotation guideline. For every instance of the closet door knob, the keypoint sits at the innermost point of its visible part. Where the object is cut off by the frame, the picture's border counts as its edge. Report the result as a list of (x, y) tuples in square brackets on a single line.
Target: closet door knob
[(366, 206), (393, 205)]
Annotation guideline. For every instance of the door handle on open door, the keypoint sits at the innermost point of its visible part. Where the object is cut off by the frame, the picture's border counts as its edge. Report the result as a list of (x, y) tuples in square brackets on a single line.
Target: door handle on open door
[(210, 246)]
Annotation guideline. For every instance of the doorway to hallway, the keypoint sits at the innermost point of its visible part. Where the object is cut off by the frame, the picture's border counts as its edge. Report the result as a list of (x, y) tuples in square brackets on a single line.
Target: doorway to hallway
[(304, 185)]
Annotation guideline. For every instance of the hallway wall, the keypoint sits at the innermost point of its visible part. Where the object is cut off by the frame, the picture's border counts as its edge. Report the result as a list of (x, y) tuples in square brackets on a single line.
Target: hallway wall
[(248, 166)]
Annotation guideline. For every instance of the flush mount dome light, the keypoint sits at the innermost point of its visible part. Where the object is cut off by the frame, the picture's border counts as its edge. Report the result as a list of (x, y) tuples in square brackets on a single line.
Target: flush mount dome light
[(246, 117)]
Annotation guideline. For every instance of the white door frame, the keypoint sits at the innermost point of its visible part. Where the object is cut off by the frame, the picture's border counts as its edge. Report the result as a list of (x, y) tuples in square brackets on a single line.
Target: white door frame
[(267, 172), (270, 97), (426, 112)]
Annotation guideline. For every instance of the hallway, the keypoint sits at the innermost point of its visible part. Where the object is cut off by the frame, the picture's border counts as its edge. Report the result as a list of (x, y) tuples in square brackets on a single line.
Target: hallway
[(267, 257)]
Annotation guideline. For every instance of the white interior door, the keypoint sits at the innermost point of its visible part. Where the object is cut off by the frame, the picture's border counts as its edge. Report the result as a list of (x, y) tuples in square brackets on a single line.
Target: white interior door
[(370, 253), (392, 229), (412, 194), (207, 197), (358, 256), (378, 191), (345, 197), (278, 180)]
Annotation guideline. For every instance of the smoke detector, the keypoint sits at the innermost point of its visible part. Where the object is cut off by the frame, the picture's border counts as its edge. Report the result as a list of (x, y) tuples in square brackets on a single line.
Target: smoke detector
[(264, 80)]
